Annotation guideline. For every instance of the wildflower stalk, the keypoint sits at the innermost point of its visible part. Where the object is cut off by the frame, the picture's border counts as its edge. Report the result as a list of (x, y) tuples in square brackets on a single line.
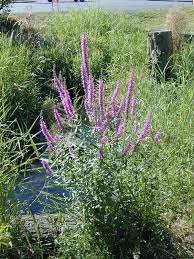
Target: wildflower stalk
[(46, 132), (146, 129), (58, 118), (46, 167), (133, 106), (101, 97)]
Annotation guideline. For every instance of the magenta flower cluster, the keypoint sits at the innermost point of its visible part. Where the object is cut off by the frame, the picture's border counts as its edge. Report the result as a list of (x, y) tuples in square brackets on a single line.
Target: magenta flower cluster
[(105, 117)]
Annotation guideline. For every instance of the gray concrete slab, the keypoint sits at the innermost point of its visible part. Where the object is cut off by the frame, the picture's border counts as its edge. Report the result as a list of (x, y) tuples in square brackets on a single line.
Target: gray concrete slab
[(23, 6)]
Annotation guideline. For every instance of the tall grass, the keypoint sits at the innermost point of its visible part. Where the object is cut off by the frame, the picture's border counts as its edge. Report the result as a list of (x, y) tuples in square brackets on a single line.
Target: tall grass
[(19, 105), (17, 82), (117, 45)]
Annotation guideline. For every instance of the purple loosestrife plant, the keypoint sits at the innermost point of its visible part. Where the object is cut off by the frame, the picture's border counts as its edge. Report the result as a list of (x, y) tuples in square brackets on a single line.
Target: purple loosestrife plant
[(90, 93), (46, 132), (99, 113), (157, 137), (99, 126), (58, 118), (133, 106), (135, 126), (110, 190), (101, 97), (72, 152), (65, 99), (61, 92), (120, 130), (122, 107), (104, 140), (46, 167), (57, 138), (128, 148), (94, 116), (107, 119), (146, 129), (84, 76), (50, 140)]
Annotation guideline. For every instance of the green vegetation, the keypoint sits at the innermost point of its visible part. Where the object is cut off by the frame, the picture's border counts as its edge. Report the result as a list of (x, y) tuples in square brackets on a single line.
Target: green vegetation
[(18, 85), (156, 197), (4, 4)]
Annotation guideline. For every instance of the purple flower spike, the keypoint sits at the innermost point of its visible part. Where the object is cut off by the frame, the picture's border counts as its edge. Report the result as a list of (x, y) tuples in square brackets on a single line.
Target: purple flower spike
[(114, 110), (129, 147), (84, 75), (46, 167), (146, 129), (61, 92), (116, 91), (107, 118), (69, 103), (93, 116), (135, 126), (120, 130), (46, 132), (65, 99), (72, 152), (99, 126), (50, 147), (131, 85), (58, 118), (101, 96), (157, 137), (90, 92), (57, 138), (133, 106), (122, 107), (114, 99), (104, 140), (84, 48)]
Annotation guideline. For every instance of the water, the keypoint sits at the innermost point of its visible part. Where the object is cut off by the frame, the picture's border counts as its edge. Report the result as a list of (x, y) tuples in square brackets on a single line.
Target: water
[(40, 192)]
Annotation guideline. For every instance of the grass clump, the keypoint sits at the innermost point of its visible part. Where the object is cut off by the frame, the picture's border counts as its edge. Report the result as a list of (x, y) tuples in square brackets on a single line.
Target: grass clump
[(17, 83), (176, 22)]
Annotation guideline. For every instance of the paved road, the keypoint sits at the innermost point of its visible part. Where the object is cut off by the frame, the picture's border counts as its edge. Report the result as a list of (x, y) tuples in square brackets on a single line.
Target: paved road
[(22, 6)]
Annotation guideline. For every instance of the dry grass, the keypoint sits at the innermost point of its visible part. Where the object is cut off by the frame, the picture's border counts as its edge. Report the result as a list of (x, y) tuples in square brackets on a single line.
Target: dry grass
[(176, 22)]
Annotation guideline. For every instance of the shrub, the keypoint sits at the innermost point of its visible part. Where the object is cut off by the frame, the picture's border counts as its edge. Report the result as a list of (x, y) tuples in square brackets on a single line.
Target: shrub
[(115, 191)]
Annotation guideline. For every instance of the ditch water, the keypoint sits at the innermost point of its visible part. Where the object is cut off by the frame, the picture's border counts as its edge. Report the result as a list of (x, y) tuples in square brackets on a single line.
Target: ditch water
[(40, 192)]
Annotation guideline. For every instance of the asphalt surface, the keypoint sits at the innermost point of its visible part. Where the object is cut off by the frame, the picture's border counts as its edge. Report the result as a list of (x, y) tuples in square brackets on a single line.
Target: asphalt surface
[(23, 6)]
